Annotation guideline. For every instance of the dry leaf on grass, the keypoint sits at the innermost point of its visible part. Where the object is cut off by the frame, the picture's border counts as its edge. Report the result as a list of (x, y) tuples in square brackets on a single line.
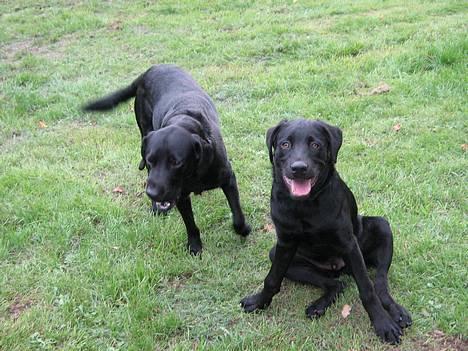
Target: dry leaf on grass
[(268, 228), (464, 147), (42, 124), (396, 127), (382, 88), (116, 25), (345, 311), (118, 190)]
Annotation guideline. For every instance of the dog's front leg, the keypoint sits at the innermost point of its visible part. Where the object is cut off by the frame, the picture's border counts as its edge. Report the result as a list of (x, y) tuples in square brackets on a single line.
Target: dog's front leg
[(285, 251), (194, 243), (383, 324)]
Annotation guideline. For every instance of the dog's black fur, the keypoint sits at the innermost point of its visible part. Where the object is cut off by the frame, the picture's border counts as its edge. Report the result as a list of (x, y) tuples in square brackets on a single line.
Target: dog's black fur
[(182, 147), (319, 232)]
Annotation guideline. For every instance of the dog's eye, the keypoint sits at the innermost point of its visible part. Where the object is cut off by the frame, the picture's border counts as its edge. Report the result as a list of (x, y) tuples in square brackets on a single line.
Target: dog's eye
[(314, 145), (173, 161), (285, 145)]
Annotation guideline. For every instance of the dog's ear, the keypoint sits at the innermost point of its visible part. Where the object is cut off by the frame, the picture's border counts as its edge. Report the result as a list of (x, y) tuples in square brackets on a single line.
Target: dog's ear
[(203, 151), (271, 137), (142, 164), (144, 142), (197, 146), (335, 139)]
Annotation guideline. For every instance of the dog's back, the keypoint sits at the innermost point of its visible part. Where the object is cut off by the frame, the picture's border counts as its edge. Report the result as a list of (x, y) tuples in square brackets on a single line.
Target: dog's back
[(172, 91), (163, 92)]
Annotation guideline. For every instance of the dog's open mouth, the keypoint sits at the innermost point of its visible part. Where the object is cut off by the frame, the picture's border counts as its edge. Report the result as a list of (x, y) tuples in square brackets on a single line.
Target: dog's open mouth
[(164, 206), (300, 187)]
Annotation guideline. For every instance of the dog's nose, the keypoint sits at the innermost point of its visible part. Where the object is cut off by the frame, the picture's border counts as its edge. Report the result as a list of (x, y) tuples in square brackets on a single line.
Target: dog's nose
[(298, 167), (153, 192)]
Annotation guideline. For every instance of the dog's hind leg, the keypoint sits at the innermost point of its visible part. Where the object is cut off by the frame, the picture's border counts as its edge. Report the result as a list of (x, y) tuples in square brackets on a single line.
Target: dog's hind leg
[(194, 243), (377, 231), (232, 194), (302, 272)]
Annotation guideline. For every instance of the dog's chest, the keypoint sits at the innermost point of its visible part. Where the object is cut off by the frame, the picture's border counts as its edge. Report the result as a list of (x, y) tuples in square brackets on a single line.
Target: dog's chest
[(308, 223), (198, 186), (211, 180)]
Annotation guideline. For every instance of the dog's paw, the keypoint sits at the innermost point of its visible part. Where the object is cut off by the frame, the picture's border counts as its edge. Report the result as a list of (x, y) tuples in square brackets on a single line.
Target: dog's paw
[(195, 249), (244, 229), (314, 311), (400, 315), (317, 308), (388, 331), (194, 246), (254, 302)]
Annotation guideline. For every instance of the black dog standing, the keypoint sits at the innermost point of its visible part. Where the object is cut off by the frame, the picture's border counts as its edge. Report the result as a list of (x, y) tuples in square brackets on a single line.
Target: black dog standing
[(182, 147), (319, 231)]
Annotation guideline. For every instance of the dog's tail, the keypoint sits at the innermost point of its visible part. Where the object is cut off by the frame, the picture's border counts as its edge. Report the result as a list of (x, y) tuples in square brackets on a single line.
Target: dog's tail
[(112, 100)]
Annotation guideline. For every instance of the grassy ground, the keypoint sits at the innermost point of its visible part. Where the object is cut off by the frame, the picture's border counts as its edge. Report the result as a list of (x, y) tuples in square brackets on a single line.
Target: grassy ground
[(82, 267)]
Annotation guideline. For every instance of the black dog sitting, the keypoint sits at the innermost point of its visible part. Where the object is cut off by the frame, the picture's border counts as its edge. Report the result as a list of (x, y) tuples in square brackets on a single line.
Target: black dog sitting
[(319, 231), (182, 147)]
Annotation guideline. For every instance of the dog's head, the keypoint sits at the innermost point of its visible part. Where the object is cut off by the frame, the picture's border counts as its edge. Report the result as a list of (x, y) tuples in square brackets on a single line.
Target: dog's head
[(302, 153), (172, 156)]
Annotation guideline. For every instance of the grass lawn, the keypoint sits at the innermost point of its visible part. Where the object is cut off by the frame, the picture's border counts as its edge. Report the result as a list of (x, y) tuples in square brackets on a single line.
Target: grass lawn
[(86, 268)]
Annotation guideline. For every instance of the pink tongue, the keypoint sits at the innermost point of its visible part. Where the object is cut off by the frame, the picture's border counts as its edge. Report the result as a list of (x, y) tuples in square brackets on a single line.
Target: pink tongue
[(300, 187)]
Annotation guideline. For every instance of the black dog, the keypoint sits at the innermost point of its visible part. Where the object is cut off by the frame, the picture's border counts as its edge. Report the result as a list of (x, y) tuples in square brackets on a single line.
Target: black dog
[(319, 231), (182, 147)]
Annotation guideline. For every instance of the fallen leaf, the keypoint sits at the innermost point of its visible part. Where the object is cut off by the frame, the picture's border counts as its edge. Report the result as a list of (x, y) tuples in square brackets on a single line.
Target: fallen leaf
[(118, 190), (438, 333), (396, 127), (268, 228), (382, 88), (464, 147), (42, 124), (116, 25), (345, 311)]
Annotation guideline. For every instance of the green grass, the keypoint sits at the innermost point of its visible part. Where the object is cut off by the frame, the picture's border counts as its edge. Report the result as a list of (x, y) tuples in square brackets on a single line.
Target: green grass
[(84, 268)]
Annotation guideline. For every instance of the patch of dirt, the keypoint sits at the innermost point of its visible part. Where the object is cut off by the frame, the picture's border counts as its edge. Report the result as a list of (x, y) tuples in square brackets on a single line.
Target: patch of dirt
[(436, 340), (360, 88), (8, 140), (54, 51), (142, 30), (179, 281), (228, 29), (281, 10), (381, 13), (18, 306)]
